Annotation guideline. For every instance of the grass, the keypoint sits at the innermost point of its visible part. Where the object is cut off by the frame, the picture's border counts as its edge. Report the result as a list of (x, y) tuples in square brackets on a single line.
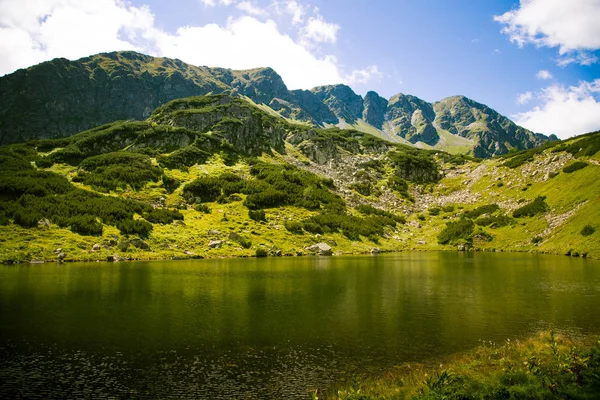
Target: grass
[(545, 366)]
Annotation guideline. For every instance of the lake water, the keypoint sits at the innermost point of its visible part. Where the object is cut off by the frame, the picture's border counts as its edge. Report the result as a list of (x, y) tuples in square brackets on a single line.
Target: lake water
[(271, 328)]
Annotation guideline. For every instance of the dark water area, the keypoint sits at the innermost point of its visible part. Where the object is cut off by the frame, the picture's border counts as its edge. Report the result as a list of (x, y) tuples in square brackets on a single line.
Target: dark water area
[(271, 328)]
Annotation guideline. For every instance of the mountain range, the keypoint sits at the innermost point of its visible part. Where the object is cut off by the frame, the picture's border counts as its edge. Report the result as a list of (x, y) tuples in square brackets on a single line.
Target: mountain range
[(59, 98)]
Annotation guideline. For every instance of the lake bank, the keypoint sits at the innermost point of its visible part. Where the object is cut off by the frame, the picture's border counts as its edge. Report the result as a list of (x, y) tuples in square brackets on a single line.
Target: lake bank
[(547, 365)]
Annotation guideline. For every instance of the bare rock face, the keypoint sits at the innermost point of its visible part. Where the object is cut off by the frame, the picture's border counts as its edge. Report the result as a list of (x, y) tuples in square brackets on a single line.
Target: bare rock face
[(322, 248), (215, 244)]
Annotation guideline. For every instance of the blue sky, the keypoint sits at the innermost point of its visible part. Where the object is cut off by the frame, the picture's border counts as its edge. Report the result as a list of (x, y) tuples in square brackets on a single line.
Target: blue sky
[(535, 61)]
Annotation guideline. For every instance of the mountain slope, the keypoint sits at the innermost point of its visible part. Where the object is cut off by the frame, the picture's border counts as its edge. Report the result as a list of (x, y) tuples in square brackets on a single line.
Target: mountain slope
[(60, 97), (217, 176)]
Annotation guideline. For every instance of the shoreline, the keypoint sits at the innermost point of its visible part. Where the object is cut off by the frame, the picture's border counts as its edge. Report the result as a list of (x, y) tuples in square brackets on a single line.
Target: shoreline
[(116, 258)]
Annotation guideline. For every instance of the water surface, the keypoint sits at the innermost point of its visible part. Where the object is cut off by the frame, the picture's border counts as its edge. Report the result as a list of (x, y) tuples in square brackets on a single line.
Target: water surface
[(270, 328)]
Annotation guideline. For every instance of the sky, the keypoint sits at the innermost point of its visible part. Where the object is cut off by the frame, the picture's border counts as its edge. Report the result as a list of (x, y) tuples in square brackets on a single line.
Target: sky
[(535, 61)]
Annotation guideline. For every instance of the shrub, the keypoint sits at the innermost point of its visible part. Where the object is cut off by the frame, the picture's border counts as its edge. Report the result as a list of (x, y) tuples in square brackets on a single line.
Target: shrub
[(588, 230), (257, 215), (260, 252), (169, 183), (486, 209), (135, 227), (499, 184), (421, 217), (398, 184), (118, 170), (434, 211), (203, 208), (577, 165), (85, 225), (183, 158), (448, 208), (162, 216), (494, 221), (293, 227), (364, 188), (537, 239), (454, 231), (537, 206)]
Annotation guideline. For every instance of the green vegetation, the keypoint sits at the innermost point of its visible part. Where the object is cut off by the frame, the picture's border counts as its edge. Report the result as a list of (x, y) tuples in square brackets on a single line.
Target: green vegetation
[(547, 366), (456, 231), (588, 230), (537, 206), (486, 209), (118, 170), (494, 221), (577, 165)]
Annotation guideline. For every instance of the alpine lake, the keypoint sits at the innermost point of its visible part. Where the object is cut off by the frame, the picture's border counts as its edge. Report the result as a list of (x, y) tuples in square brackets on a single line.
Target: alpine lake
[(271, 328)]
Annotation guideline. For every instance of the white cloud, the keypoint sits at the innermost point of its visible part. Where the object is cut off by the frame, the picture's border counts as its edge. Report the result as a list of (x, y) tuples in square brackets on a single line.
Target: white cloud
[(582, 58), (565, 111), (524, 98), (246, 43), (251, 8), (571, 25), (212, 3), (543, 75), (364, 75), (320, 31), (292, 8), (32, 31)]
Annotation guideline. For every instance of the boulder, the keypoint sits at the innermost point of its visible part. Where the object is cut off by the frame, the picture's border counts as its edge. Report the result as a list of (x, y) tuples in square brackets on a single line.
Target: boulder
[(96, 247), (113, 258), (123, 245), (375, 250), (140, 244), (61, 256), (332, 242), (322, 248), (213, 232), (215, 244), (44, 223), (236, 237)]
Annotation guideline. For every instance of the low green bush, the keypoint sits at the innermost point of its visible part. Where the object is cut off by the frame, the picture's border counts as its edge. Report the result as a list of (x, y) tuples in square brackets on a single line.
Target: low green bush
[(203, 208), (486, 209), (588, 230), (455, 231), (257, 215), (85, 225), (293, 227), (537, 206), (135, 227), (494, 221), (162, 216), (577, 165), (260, 252)]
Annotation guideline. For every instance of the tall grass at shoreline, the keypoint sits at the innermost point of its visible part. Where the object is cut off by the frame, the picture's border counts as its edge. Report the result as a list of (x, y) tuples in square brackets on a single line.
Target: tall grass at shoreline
[(545, 366)]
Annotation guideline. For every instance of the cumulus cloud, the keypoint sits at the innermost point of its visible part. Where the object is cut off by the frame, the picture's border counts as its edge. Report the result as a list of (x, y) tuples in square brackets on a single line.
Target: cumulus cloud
[(320, 31), (524, 98), (572, 26), (565, 111), (292, 8), (251, 8), (32, 31), (543, 75), (364, 75)]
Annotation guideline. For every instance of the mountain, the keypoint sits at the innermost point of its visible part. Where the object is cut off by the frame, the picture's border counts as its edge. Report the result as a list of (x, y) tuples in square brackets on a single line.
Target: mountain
[(219, 175), (61, 97)]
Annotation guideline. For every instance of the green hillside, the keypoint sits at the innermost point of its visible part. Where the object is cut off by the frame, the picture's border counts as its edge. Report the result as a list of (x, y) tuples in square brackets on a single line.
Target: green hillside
[(218, 176)]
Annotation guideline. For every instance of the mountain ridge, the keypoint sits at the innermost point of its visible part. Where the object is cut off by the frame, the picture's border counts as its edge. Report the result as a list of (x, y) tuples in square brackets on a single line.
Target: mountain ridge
[(61, 97)]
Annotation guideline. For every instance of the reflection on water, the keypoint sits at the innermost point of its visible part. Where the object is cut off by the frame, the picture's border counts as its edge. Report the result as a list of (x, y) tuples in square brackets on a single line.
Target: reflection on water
[(260, 328)]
